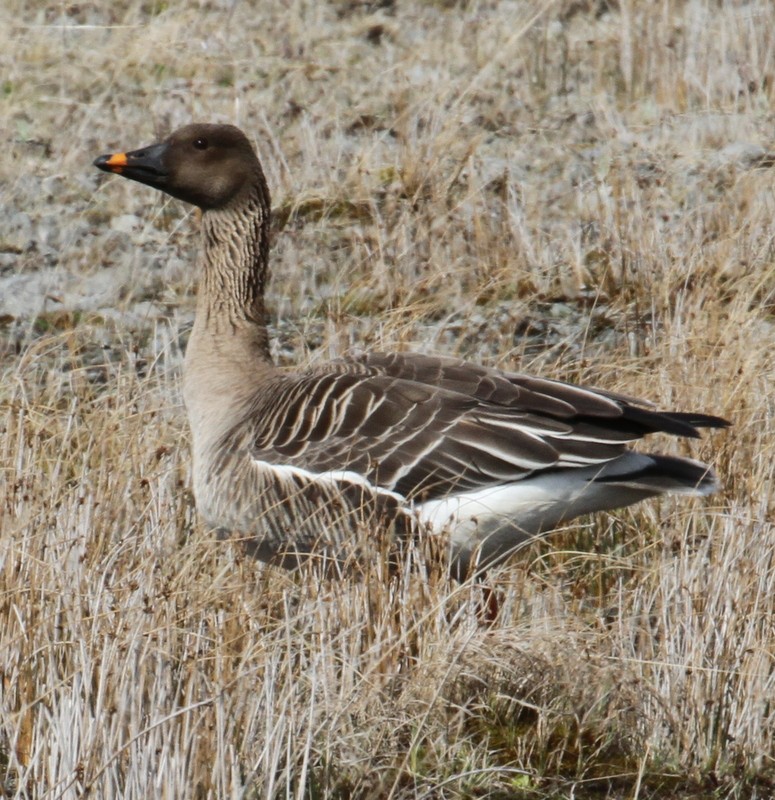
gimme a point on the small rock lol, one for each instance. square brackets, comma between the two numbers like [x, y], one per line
[746, 154]
[53, 187]
[126, 223]
[48, 232]
[17, 235]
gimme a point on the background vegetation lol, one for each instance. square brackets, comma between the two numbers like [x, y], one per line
[578, 187]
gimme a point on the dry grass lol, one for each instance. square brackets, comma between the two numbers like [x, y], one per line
[571, 187]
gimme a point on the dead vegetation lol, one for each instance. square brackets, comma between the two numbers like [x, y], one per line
[578, 188]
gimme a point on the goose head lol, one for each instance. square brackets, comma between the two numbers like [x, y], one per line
[209, 166]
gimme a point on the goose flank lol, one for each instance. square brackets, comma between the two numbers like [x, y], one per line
[296, 463]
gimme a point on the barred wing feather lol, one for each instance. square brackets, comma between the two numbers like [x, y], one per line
[426, 427]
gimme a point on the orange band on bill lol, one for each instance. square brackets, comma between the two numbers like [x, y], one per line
[116, 161]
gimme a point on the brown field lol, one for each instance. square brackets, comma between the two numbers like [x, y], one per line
[581, 188]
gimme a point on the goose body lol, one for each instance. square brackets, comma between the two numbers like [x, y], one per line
[297, 463]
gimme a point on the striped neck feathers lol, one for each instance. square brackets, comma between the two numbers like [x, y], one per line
[235, 267]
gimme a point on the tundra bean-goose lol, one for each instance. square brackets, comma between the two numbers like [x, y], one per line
[298, 463]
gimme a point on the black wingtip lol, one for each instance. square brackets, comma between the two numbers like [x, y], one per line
[677, 423]
[699, 420]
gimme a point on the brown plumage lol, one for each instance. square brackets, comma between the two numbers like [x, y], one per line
[296, 464]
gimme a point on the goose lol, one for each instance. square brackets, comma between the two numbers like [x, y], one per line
[299, 463]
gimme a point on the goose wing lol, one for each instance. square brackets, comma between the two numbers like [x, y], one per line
[425, 427]
[539, 395]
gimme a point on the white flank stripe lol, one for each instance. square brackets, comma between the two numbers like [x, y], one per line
[331, 477]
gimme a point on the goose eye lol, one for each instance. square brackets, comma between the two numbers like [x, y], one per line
[200, 144]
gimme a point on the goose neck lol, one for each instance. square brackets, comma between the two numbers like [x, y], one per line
[234, 270]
